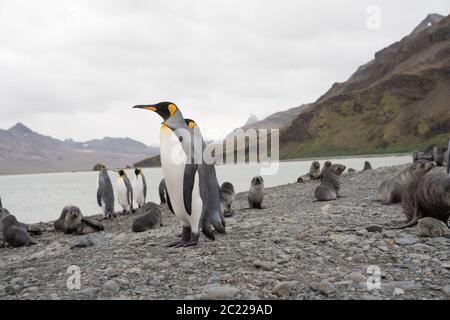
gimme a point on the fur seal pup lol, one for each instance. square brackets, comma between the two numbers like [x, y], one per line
[227, 196]
[391, 190]
[428, 196]
[150, 219]
[313, 174]
[330, 184]
[14, 233]
[326, 165]
[367, 166]
[71, 221]
[416, 156]
[256, 193]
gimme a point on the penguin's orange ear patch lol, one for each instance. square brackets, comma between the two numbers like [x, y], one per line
[172, 109]
[191, 124]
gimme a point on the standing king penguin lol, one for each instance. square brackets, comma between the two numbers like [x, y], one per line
[124, 192]
[105, 193]
[187, 181]
[140, 187]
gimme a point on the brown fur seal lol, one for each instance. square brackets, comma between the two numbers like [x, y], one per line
[227, 196]
[150, 219]
[330, 184]
[72, 221]
[14, 233]
[314, 173]
[391, 190]
[256, 193]
[428, 196]
[367, 166]
[326, 165]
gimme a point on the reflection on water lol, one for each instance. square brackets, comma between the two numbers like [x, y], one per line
[41, 197]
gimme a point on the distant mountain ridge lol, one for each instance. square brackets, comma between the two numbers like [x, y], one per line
[397, 102]
[25, 151]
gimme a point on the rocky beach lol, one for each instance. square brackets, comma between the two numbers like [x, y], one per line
[294, 248]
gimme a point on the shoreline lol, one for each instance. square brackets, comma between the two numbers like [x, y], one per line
[382, 155]
[300, 249]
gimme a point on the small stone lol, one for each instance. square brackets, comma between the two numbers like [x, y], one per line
[398, 292]
[446, 290]
[431, 227]
[230, 221]
[263, 265]
[374, 228]
[325, 209]
[111, 285]
[362, 232]
[283, 289]
[89, 291]
[356, 277]
[407, 240]
[221, 292]
[327, 288]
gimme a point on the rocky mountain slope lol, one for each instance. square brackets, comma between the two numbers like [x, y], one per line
[399, 101]
[25, 151]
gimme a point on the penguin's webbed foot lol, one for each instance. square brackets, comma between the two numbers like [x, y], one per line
[193, 241]
[176, 244]
[209, 234]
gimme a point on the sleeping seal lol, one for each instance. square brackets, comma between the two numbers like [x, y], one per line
[150, 219]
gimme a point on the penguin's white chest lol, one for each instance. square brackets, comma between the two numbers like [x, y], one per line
[139, 190]
[122, 193]
[173, 162]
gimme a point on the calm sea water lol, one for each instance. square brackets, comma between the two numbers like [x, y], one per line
[41, 197]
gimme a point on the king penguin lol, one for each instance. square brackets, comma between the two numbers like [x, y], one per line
[140, 187]
[124, 192]
[105, 193]
[186, 180]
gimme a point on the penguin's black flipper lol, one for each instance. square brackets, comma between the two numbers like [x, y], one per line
[169, 204]
[1, 206]
[99, 197]
[162, 190]
[188, 185]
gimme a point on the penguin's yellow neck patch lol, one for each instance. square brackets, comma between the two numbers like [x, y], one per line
[165, 128]
[172, 109]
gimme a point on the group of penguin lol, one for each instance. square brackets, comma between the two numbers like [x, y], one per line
[127, 193]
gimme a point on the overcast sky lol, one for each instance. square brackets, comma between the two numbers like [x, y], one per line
[74, 69]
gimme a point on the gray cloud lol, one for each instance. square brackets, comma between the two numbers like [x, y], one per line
[74, 69]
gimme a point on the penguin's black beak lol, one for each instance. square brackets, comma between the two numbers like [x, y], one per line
[146, 107]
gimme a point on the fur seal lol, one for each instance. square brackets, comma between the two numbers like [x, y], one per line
[428, 196]
[391, 190]
[14, 233]
[326, 165]
[150, 219]
[330, 184]
[227, 196]
[256, 193]
[313, 174]
[367, 166]
[71, 221]
[416, 156]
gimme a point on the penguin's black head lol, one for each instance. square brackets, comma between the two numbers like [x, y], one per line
[137, 171]
[121, 173]
[164, 109]
[190, 123]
